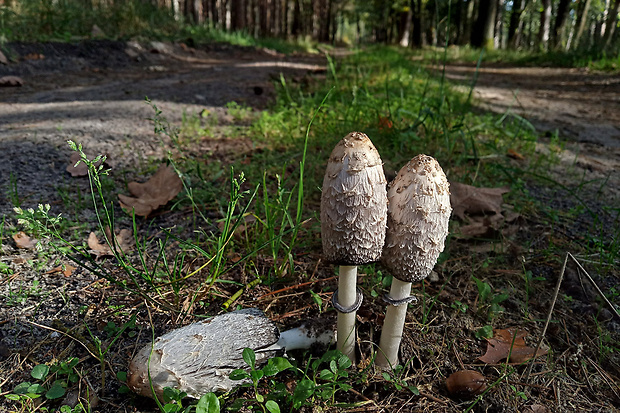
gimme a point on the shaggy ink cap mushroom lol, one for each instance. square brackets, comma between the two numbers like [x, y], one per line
[418, 214]
[353, 223]
[353, 203]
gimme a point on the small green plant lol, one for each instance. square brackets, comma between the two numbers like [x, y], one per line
[237, 111]
[395, 378]
[459, 306]
[50, 383]
[101, 349]
[274, 366]
[489, 301]
[484, 332]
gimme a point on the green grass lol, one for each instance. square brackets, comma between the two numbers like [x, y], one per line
[590, 58]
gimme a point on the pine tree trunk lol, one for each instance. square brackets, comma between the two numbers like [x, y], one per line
[404, 27]
[483, 33]
[263, 17]
[515, 23]
[296, 28]
[237, 14]
[545, 24]
[583, 18]
[560, 20]
[610, 26]
[467, 22]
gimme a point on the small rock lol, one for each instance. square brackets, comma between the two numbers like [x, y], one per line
[3, 59]
[159, 47]
[466, 383]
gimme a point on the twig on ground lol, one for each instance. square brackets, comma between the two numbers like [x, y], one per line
[262, 297]
[553, 300]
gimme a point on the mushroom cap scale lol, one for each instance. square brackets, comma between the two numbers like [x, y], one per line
[418, 214]
[353, 203]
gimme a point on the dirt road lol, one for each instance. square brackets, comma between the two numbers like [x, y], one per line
[94, 93]
[583, 107]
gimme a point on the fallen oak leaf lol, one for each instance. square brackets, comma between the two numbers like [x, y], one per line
[150, 195]
[24, 241]
[124, 242]
[66, 270]
[509, 343]
[472, 200]
[512, 153]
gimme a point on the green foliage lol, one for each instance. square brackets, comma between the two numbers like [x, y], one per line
[320, 382]
[51, 383]
[274, 366]
[488, 300]
[396, 378]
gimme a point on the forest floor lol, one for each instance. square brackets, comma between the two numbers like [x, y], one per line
[93, 93]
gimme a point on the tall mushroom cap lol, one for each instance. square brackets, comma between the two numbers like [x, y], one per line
[353, 203]
[199, 357]
[418, 215]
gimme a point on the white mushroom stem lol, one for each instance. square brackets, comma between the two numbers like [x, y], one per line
[393, 326]
[302, 338]
[347, 296]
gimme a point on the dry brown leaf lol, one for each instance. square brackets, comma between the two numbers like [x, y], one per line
[66, 270]
[150, 195]
[124, 242]
[470, 200]
[509, 343]
[81, 169]
[536, 408]
[24, 241]
[3, 59]
[511, 153]
[11, 81]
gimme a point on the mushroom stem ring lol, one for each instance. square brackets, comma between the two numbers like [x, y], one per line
[346, 310]
[391, 301]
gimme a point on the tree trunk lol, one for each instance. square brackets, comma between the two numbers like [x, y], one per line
[213, 13]
[224, 14]
[296, 28]
[416, 19]
[284, 18]
[514, 24]
[583, 18]
[404, 27]
[610, 25]
[273, 18]
[560, 20]
[545, 24]
[237, 14]
[483, 34]
[324, 17]
[467, 22]
[263, 13]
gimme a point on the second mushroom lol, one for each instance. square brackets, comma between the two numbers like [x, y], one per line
[353, 222]
[418, 214]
